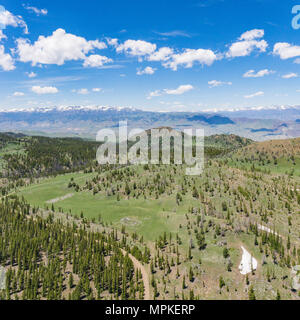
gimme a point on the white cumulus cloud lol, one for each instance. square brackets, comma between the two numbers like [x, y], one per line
[137, 47]
[162, 54]
[246, 43]
[290, 75]
[189, 57]
[6, 61]
[258, 74]
[180, 90]
[44, 90]
[96, 61]
[216, 83]
[155, 93]
[18, 94]
[147, 70]
[82, 91]
[112, 42]
[56, 49]
[252, 34]
[31, 74]
[9, 19]
[285, 50]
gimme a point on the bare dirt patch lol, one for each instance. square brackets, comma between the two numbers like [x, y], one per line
[69, 195]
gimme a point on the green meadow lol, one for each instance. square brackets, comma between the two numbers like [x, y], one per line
[148, 217]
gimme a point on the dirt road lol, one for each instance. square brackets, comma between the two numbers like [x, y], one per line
[138, 265]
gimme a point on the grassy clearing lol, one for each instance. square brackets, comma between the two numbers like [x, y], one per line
[153, 217]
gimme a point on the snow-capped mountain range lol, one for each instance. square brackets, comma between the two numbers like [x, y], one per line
[68, 108]
[258, 123]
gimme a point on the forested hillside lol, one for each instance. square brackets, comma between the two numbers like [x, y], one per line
[61, 258]
[78, 230]
[43, 156]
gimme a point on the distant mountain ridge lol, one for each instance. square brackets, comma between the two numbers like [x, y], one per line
[100, 113]
[86, 121]
[86, 118]
[284, 113]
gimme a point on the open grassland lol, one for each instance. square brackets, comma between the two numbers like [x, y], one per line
[148, 217]
[144, 210]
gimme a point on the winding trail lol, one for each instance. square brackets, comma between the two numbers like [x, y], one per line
[138, 265]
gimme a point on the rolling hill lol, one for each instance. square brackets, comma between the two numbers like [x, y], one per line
[279, 156]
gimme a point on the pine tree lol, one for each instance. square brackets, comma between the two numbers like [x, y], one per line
[191, 275]
[252, 294]
[221, 282]
[183, 283]
[71, 281]
[278, 297]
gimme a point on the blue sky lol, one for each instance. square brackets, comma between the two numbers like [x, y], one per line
[154, 55]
